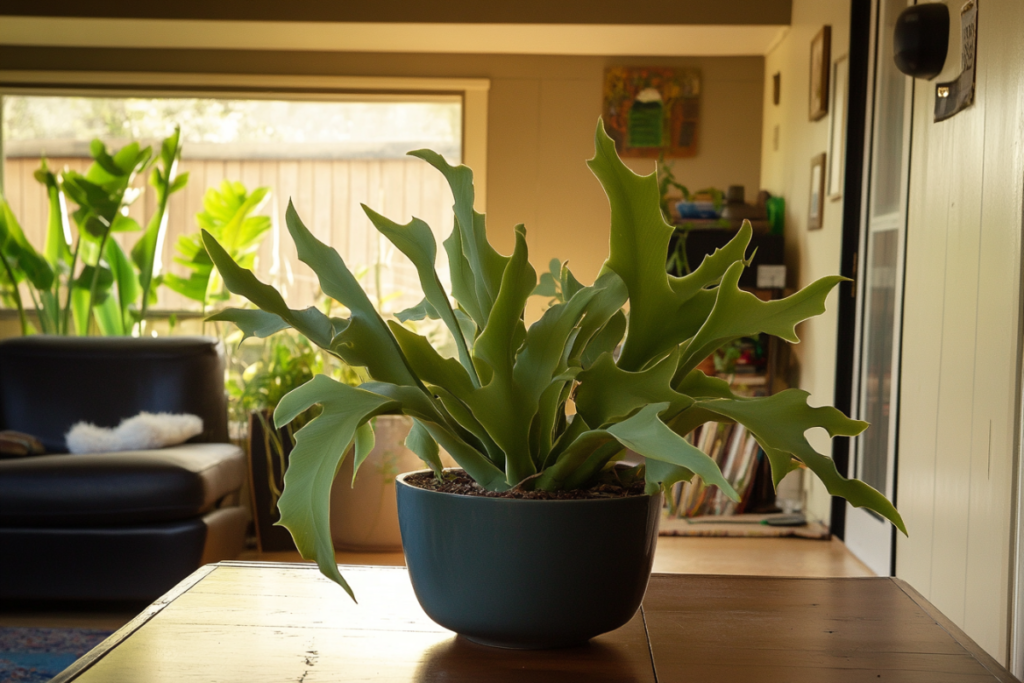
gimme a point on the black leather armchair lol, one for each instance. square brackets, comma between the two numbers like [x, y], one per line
[114, 526]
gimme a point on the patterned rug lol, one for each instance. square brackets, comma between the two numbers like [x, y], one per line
[31, 655]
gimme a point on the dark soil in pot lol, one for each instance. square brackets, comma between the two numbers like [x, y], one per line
[528, 573]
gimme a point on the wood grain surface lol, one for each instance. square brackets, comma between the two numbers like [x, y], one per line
[258, 622]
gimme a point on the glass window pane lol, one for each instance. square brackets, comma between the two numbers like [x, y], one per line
[325, 156]
[887, 160]
[878, 341]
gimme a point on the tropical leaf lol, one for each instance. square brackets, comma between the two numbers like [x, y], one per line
[741, 314]
[423, 445]
[476, 258]
[416, 241]
[663, 311]
[311, 322]
[253, 323]
[648, 436]
[320, 448]
[128, 288]
[779, 423]
[420, 311]
[364, 444]
[165, 183]
[608, 394]
[366, 341]
[497, 405]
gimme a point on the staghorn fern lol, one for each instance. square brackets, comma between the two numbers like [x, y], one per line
[499, 409]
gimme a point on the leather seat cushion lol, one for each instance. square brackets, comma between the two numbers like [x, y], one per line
[130, 487]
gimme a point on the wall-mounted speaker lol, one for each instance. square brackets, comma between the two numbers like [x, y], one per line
[921, 40]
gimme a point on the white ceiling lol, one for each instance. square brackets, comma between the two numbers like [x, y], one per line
[560, 39]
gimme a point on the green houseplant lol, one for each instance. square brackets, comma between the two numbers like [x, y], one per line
[77, 282]
[500, 408]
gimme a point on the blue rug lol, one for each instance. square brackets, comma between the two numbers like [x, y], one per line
[31, 655]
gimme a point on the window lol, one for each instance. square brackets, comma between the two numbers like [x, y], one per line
[327, 152]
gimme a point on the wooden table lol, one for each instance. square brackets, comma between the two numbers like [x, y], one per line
[253, 622]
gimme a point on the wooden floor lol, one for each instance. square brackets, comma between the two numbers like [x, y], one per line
[675, 555]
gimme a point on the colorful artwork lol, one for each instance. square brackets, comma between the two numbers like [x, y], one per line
[650, 111]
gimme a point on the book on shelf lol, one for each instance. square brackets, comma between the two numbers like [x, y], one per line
[737, 454]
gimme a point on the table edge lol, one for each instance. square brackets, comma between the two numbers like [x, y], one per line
[85, 662]
[990, 663]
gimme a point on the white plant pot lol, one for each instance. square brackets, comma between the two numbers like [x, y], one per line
[365, 517]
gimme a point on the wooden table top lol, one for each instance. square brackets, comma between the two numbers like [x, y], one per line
[252, 622]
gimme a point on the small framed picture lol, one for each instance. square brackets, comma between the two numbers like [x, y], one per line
[817, 203]
[821, 60]
[837, 130]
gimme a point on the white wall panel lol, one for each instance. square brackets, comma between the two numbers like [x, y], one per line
[961, 345]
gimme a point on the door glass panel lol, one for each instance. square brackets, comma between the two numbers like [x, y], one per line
[878, 341]
[887, 161]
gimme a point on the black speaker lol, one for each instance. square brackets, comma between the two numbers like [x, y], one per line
[921, 40]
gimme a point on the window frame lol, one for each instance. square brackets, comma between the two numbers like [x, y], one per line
[473, 92]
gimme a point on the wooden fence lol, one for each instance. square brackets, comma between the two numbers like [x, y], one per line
[326, 194]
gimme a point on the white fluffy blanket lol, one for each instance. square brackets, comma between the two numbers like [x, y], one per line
[142, 432]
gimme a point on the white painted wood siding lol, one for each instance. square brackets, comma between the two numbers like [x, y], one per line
[961, 345]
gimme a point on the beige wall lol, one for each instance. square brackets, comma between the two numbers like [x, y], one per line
[961, 346]
[542, 114]
[786, 171]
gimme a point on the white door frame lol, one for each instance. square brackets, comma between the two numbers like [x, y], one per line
[869, 537]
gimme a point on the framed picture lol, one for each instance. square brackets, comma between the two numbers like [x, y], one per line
[817, 203]
[821, 59]
[652, 111]
[837, 131]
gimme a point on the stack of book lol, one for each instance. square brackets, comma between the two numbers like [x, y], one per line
[737, 454]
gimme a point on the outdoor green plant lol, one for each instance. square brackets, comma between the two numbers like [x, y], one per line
[76, 281]
[500, 408]
[227, 216]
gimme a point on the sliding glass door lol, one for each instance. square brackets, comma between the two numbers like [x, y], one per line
[880, 290]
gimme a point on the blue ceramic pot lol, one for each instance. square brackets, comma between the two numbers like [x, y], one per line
[527, 573]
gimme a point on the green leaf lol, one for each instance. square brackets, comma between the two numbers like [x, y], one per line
[661, 476]
[320, 449]
[252, 323]
[429, 365]
[604, 340]
[58, 232]
[366, 341]
[741, 314]
[124, 223]
[779, 423]
[310, 322]
[423, 445]
[498, 405]
[463, 282]
[569, 284]
[663, 311]
[20, 253]
[648, 436]
[416, 404]
[416, 241]
[364, 444]
[546, 286]
[485, 265]
[108, 316]
[420, 311]
[128, 289]
[607, 394]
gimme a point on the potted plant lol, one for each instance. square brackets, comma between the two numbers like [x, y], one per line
[542, 541]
